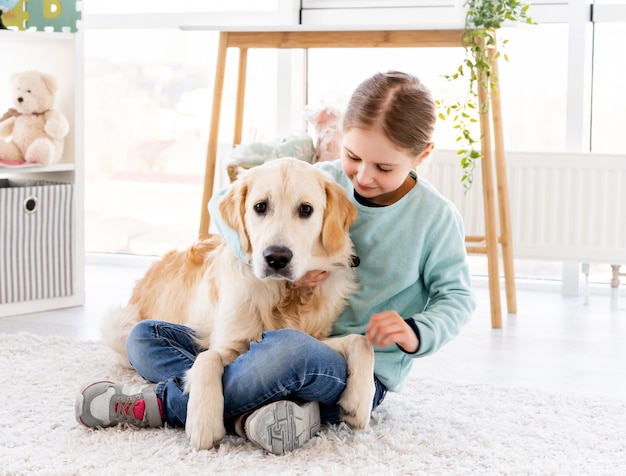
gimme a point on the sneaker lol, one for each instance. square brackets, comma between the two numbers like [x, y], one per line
[103, 404]
[283, 426]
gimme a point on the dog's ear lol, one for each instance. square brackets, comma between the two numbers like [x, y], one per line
[339, 214]
[232, 207]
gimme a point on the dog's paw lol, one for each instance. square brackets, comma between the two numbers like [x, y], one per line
[356, 404]
[205, 409]
[204, 434]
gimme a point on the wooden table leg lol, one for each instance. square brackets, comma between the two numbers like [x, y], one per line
[241, 93]
[211, 158]
[506, 239]
[491, 235]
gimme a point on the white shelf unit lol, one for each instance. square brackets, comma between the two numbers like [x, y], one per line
[61, 55]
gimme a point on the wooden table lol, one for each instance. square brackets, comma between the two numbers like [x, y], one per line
[493, 160]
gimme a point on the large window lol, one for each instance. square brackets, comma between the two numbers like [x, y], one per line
[149, 85]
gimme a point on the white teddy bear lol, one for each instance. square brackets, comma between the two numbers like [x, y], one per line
[33, 132]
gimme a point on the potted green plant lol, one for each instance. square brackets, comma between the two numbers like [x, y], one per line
[482, 19]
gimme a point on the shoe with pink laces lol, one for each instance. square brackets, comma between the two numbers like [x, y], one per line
[103, 404]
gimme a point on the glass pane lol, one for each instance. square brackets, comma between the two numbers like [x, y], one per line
[148, 98]
[334, 73]
[534, 88]
[609, 97]
[533, 82]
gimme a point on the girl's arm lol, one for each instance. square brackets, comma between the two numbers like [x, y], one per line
[446, 275]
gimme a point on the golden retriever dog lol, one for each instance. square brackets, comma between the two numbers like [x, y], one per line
[291, 218]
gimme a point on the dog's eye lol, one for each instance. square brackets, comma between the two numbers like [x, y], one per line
[260, 208]
[305, 210]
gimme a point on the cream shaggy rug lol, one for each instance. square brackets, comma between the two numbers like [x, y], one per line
[431, 428]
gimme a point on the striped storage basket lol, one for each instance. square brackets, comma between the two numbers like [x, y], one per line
[36, 244]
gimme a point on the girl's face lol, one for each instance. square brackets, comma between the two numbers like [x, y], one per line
[378, 171]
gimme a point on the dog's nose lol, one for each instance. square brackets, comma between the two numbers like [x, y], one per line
[20, 99]
[277, 257]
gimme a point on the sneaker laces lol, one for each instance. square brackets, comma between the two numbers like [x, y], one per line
[125, 409]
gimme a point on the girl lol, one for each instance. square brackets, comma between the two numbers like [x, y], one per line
[414, 293]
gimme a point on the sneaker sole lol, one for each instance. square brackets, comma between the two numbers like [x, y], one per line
[80, 402]
[284, 426]
[78, 408]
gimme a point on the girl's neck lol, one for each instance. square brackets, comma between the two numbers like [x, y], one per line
[391, 197]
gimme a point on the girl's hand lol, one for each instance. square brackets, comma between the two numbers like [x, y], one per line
[388, 327]
[311, 279]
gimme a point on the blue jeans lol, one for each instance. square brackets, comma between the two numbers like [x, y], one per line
[285, 364]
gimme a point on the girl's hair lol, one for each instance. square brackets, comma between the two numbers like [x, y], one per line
[397, 103]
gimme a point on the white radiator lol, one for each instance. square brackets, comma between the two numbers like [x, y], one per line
[564, 207]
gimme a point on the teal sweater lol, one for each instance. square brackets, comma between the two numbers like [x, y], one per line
[412, 260]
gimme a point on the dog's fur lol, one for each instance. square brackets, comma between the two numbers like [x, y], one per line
[291, 218]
